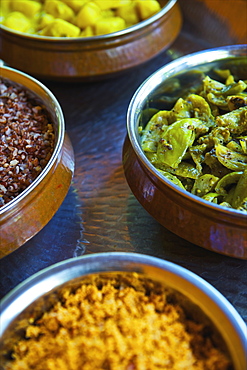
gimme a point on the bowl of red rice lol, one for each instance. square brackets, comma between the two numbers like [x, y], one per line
[36, 158]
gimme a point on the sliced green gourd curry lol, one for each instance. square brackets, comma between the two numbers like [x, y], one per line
[201, 143]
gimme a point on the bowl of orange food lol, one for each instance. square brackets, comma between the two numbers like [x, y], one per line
[36, 158]
[185, 155]
[143, 311]
[81, 39]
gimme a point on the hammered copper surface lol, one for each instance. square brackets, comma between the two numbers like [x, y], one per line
[78, 59]
[100, 213]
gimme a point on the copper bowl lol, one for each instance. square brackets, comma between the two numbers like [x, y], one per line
[199, 299]
[205, 224]
[78, 59]
[30, 211]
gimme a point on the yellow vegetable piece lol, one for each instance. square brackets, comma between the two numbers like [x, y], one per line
[175, 141]
[197, 153]
[181, 109]
[172, 178]
[204, 184]
[211, 197]
[128, 13]
[227, 181]
[234, 145]
[109, 25]
[17, 21]
[147, 8]
[240, 194]
[153, 131]
[236, 101]
[61, 28]
[223, 73]
[76, 5]
[184, 169]
[230, 159]
[4, 7]
[235, 121]
[27, 7]
[87, 32]
[88, 15]
[107, 13]
[243, 144]
[201, 109]
[45, 20]
[59, 10]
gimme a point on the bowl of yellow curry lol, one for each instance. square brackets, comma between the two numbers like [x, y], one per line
[185, 154]
[119, 311]
[78, 40]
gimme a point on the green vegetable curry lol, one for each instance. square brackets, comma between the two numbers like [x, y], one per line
[201, 143]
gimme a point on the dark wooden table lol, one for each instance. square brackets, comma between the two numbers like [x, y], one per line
[100, 213]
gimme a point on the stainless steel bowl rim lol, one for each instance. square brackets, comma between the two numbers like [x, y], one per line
[105, 37]
[56, 275]
[57, 148]
[156, 78]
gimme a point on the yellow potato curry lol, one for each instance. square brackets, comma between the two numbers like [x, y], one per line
[75, 18]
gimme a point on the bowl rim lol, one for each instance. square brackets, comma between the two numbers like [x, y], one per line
[104, 38]
[136, 103]
[38, 284]
[60, 139]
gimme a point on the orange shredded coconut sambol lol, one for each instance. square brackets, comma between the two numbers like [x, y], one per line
[122, 322]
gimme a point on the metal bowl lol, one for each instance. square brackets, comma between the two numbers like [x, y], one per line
[30, 211]
[32, 297]
[205, 224]
[78, 59]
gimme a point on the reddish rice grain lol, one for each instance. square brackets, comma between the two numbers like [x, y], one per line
[26, 140]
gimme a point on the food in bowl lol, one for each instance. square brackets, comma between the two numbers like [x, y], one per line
[117, 321]
[102, 299]
[207, 224]
[75, 18]
[201, 143]
[27, 139]
[37, 158]
[88, 58]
